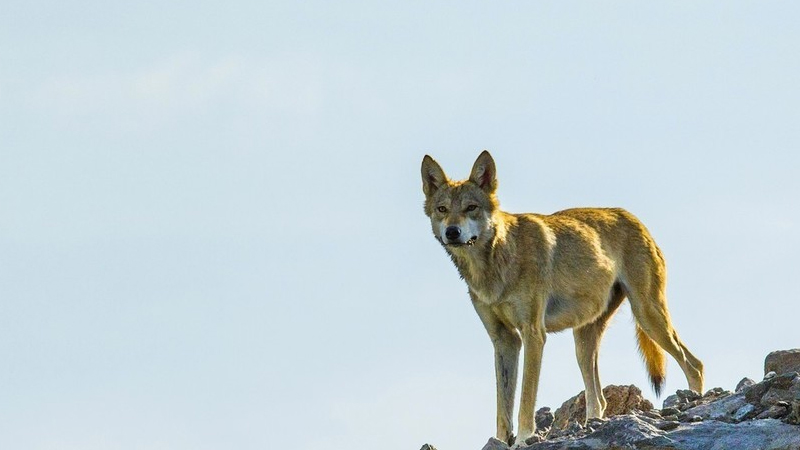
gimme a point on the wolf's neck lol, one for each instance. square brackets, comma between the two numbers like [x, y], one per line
[485, 264]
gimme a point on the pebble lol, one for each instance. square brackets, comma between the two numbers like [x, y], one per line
[668, 426]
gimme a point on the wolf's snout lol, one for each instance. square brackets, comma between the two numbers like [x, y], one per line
[452, 233]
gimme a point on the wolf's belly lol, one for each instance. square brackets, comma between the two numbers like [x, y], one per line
[563, 312]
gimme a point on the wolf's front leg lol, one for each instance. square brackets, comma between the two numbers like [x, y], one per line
[507, 344]
[506, 357]
[533, 339]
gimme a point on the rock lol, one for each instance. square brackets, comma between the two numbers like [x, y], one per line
[428, 447]
[794, 415]
[715, 392]
[670, 412]
[620, 400]
[782, 388]
[687, 394]
[544, 418]
[617, 432]
[494, 444]
[744, 383]
[668, 425]
[782, 361]
[723, 409]
[763, 416]
[768, 434]
[672, 401]
[774, 412]
[745, 412]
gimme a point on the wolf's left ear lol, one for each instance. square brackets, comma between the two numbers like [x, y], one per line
[484, 173]
[433, 176]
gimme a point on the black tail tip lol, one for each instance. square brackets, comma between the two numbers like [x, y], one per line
[658, 384]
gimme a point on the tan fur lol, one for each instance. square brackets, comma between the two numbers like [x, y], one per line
[530, 274]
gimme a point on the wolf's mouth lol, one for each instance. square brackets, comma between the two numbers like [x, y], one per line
[469, 243]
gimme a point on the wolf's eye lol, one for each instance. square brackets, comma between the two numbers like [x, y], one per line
[441, 209]
[471, 208]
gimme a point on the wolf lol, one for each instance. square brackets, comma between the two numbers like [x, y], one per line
[533, 274]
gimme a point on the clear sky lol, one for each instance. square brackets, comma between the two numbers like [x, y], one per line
[211, 226]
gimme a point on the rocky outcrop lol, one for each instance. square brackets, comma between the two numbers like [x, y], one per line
[782, 361]
[756, 416]
[621, 400]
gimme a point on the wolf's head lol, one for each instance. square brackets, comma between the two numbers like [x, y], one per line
[460, 211]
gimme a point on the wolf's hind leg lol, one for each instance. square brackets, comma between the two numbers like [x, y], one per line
[652, 316]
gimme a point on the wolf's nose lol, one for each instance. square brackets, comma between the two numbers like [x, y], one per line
[452, 233]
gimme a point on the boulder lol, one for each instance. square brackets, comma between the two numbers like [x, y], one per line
[620, 400]
[724, 409]
[782, 361]
[495, 444]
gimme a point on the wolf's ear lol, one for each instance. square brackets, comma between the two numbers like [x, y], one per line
[433, 176]
[484, 173]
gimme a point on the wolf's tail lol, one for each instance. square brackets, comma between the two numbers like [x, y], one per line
[654, 360]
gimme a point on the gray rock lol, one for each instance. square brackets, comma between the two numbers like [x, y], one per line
[715, 392]
[688, 394]
[782, 361]
[428, 447]
[544, 418]
[770, 374]
[774, 412]
[782, 388]
[723, 409]
[768, 434]
[495, 444]
[672, 401]
[744, 383]
[670, 412]
[618, 432]
[745, 412]
[668, 425]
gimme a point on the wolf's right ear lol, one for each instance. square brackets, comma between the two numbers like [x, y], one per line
[433, 176]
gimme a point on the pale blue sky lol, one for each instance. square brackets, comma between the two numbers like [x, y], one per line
[211, 227]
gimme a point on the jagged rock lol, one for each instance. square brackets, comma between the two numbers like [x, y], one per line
[744, 383]
[670, 411]
[618, 432]
[428, 447]
[495, 444]
[782, 361]
[715, 392]
[672, 401]
[667, 425]
[723, 409]
[748, 411]
[621, 400]
[784, 388]
[544, 418]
